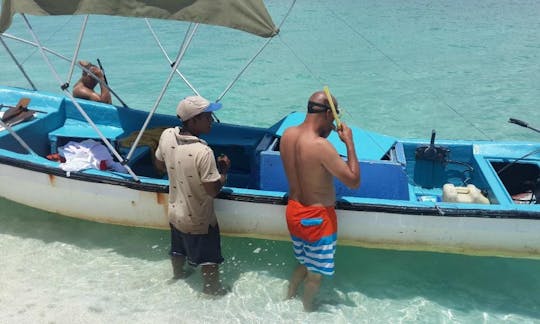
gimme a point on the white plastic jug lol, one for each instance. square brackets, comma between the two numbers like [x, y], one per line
[469, 194]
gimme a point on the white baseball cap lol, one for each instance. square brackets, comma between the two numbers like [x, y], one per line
[192, 106]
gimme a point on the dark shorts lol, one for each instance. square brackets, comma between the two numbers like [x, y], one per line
[199, 249]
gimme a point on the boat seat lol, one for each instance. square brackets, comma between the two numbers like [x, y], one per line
[77, 130]
[139, 152]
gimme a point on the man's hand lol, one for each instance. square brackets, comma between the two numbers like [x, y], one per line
[223, 163]
[97, 72]
[345, 133]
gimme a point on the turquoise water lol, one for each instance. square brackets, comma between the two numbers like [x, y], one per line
[402, 68]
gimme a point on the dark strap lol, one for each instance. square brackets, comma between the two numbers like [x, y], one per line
[312, 104]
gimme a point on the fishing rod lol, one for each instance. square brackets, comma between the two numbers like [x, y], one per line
[107, 83]
[522, 124]
[102, 71]
[6, 106]
[526, 125]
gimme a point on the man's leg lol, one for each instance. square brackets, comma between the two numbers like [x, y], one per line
[178, 267]
[178, 254]
[297, 277]
[311, 287]
[212, 285]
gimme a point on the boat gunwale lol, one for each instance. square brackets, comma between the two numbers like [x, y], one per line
[228, 193]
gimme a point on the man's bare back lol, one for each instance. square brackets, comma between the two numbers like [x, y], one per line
[311, 162]
[309, 181]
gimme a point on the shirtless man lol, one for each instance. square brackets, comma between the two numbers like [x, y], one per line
[84, 88]
[310, 163]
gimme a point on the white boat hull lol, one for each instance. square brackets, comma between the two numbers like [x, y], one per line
[115, 204]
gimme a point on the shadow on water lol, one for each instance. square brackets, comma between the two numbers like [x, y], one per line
[27, 222]
[458, 282]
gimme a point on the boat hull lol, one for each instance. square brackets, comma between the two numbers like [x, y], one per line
[241, 216]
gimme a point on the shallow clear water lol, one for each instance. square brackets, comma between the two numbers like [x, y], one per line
[62, 270]
[403, 68]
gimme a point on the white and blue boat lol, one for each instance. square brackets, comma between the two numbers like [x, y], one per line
[471, 197]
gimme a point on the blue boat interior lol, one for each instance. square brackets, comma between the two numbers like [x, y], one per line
[411, 172]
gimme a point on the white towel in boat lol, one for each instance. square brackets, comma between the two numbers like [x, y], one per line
[86, 155]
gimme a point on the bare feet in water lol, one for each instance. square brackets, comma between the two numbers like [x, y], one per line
[221, 291]
[183, 274]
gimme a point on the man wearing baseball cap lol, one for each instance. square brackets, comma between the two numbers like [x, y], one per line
[195, 178]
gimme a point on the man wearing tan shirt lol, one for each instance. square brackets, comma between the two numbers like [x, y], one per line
[194, 180]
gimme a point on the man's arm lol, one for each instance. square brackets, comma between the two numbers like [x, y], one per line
[223, 165]
[160, 166]
[81, 91]
[105, 95]
[347, 172]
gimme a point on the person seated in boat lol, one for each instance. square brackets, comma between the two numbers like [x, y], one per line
[84, 88]
[195, 178]
[311, 163]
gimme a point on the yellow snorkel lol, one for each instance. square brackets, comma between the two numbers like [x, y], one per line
[334, 111]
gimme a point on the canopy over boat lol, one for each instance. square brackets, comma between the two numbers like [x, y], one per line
[248, 15]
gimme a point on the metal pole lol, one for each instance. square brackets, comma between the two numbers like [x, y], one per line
[64, 58]
[17, 137]
[17, 62]
[77, 105]
[169, 59]
[179, 57]
[77, 48]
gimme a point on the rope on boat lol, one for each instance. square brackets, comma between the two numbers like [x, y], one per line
[317, 77]
[437, 97]
[517, 160]
[40, 47]
[48, 38]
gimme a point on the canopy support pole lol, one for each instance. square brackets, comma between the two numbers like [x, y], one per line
[17, 137]
[77, 48]
[77, 105]
[17, 62]
[65, 59]
[254, 56]
[179, 57]
[243, 70]
[168, 58]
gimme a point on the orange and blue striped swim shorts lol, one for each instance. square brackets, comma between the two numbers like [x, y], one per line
[313, 231]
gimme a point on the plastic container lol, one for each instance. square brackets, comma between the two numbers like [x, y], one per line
[469, 194]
